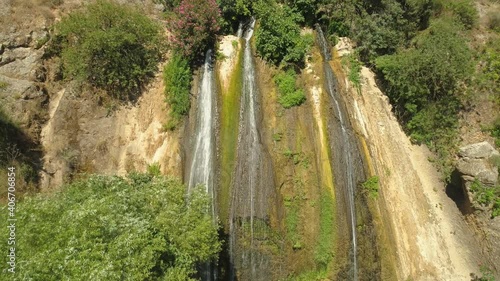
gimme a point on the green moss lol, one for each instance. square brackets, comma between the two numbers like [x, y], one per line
[324, 251]
[229, 134]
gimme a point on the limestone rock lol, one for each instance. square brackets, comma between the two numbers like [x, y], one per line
[477, 150]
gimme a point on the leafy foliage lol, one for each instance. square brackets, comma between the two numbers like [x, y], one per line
[465, 12]
[177, 78]
[354, 70]
[193, 25]
[290, 95]
[382, 27]
[277, 37]
[423, 82]
[113, 228]
[371, 186]
[233, 12]
[111, 46]
[486, 195]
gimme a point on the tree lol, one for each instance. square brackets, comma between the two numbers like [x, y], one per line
[113, 228]
[110, 46]
[193, 26]
[277, 37]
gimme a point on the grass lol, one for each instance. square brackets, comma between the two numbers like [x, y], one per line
[324, 251]
[354, 66]
[292, 220]
[229, 134]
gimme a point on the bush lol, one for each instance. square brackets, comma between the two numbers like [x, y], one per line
[354, 66]
[113, 228]
[422, 84]
[277, 36]
[193, 25]
[177, 78]
[289, 94]
[465, 12]
[111, 46]
[371, 186]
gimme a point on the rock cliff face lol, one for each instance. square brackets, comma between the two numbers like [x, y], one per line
[426, 235]
[476, 177]
[23, 93]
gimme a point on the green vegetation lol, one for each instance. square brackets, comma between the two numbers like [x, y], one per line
[464, 11]
[154, 169]
[371, 186]
[324, 251]
[229, 134]
[193, 25]
[290, 95]
[177, 78]
[486, 195]
[423, 83]
[487, 274]
[354, 66]
[277, 37]
[111, 228]
[292, 221]
[110, 46]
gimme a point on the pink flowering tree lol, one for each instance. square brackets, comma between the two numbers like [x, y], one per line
[193, 26]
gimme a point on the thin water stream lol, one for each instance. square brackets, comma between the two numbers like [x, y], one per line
[252, 182]
[348, 145]
[202, 164]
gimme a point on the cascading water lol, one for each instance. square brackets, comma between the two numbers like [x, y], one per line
[252, 184]
[347, 145]
[202, 165]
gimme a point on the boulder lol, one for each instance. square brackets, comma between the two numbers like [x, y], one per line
[477, 150]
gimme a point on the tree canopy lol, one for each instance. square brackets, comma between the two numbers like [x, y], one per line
[111, 46]
[112, 228]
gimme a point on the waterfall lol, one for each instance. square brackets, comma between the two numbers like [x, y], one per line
[202, 165]
[252, 182]
[347, 143]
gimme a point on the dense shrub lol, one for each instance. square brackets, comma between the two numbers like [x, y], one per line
[422, 83]
[290, 95]
[113, 228]
[193, 25]
[277, 37]
[384, 28]
[111, 46]
[177, 78]
[465, 12]
[233, 12]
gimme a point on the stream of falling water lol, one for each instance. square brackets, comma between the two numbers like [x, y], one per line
[202, 165]
[252, 183]
[330, 81]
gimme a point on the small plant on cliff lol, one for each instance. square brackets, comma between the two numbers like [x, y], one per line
[177, 78]
[371, 186]
[290, 95]
[110, 46]
[193, 24]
